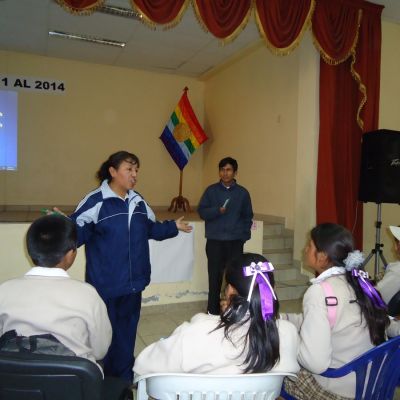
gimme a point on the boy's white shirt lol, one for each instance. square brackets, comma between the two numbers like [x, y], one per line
[44, 271]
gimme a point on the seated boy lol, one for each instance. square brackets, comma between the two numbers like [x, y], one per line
[47, 301]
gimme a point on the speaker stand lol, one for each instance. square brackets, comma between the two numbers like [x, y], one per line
[377, 251]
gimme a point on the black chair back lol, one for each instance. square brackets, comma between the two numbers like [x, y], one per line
[27, 376]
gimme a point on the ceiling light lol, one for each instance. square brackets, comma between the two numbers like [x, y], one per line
[90, 39]
[120, 12]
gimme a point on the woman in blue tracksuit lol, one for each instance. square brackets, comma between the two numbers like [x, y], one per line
[115, 223]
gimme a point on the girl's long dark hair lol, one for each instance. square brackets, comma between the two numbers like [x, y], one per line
[337, 242]
[261, 342]
[115, 161]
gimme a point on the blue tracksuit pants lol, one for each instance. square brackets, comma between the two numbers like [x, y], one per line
[124, 313]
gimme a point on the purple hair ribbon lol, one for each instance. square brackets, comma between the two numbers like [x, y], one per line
[367, 288]
[266, 290]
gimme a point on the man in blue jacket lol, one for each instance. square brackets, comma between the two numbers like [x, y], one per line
[226, 209]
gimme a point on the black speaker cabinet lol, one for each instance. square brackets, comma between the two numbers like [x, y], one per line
[380, 167]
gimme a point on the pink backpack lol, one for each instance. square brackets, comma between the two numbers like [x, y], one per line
[331, 302]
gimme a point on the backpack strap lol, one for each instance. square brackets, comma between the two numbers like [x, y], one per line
[331, 302]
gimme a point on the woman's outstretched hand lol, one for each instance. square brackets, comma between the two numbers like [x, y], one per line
[183, 225]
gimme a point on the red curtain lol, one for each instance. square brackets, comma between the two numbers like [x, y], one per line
[80, 6]
[335, 29]
[161, 11]
[344, 91]
[223, 18]
[283, 22]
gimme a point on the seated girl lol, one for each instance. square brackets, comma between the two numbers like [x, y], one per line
[343, 315]
[246, 338]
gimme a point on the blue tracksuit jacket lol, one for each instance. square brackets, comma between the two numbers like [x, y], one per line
[115, 233]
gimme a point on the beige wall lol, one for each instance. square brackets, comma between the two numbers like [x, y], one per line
[389, 118]
[251, 115]
[307, 146]
[64, 138]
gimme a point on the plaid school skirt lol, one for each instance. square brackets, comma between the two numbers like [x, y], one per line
[305, 387]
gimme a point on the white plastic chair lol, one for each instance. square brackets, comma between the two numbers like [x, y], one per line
[172, 386]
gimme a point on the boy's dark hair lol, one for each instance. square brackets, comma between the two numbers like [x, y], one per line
[49, 238]
[261, 342]
[228, 160]
[115, 161]
[337, 242]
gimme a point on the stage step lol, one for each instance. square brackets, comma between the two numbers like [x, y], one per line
[278, 249]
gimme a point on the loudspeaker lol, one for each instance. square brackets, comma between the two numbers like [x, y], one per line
[380, 167]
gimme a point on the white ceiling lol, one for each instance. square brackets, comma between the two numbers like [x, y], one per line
[185, 49]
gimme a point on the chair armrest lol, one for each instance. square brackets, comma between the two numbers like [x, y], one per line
[141, 393]
[338, 372]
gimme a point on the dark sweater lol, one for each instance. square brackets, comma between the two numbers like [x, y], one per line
[236, 222]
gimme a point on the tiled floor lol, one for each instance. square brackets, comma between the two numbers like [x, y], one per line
[159, 321]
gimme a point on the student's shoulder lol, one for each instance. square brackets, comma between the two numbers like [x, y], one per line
[199, 325]
[288, 333]
[11, 282]
[393, 267]
[83, 288]
[203, 319]
[314, 293]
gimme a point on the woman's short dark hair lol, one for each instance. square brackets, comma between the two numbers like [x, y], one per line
[115, 161]
[49, 238]
[261, 348]
[228, 160]
[337, 242]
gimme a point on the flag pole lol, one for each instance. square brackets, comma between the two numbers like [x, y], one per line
[180, 183]
[182, 136]
[180, 202]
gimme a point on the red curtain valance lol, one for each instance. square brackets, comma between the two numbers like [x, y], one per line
[80, 6]
[162, 12]
[335, 24]
[282, 23]
[335, 28]
[223, 18]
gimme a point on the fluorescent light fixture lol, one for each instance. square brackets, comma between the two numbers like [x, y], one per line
[120, 12]
[90, 39]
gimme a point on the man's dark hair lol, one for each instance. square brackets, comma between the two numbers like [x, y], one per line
[49, 238]
[228, 160]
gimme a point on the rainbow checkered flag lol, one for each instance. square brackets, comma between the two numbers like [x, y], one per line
[183, 135]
